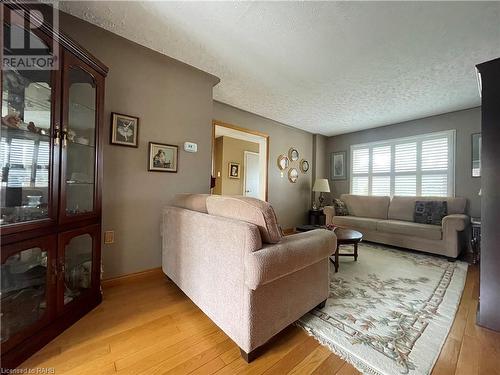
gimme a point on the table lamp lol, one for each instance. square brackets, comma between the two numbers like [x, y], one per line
[321, 185]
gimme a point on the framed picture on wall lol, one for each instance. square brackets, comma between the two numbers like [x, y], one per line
[124, 130]
[162, 157]
[338, 165]
[234, 170]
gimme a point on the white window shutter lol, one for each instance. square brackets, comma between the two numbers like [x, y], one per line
[421, 165]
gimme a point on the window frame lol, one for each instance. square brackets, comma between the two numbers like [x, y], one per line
[418, 139]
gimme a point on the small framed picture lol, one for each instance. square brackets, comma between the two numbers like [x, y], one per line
[162, 157]
[234, 170]
[124, 130]
[337, 165]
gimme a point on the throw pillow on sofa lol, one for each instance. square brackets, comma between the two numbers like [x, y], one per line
[340, 208]
[430, 212]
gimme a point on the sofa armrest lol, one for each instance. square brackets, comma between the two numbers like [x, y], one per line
[455, 223]
[329, 212]
[291, 254]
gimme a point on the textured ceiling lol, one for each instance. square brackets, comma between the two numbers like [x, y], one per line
[325, 67]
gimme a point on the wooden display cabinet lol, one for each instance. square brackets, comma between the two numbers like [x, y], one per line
[51, 160]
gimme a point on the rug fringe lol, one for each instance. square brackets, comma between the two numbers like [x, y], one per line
[357, 363]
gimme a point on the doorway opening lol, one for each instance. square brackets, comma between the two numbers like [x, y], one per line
[239, 161]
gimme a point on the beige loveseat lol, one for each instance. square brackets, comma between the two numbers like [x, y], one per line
[228, 256]
[390, 221]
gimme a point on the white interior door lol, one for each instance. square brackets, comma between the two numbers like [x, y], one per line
[251, 179]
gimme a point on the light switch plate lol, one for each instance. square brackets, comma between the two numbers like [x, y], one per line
[190, 147]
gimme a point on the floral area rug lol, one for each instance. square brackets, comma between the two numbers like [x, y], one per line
[390, 312]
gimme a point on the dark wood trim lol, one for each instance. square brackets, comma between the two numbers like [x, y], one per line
[489, 299]
[70, 62]
[47, 230]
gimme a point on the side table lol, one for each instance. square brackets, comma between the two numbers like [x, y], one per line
[476, 239]
[317, 217]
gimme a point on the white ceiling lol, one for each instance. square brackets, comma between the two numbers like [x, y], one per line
[325, 67]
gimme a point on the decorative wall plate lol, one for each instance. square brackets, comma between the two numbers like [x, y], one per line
[293, 154]
[293, 175]
[304, 165]
[283, 162]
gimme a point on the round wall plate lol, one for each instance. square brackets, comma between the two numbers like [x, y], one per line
[293, 154]
[293, 175]
[304, 165]
[283, 162]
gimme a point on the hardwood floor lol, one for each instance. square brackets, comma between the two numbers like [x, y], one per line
[148, 326]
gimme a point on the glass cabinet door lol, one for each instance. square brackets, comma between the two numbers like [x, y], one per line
[79, 141]
[25, 144]
[80, 273]
[27, 282]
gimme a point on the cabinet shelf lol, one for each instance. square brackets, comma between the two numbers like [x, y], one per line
[78, 183]
[90, 145]
[20, 133]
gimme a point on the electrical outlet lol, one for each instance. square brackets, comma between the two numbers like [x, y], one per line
[109, 236]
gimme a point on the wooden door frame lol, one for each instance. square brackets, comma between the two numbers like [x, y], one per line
[248, 131]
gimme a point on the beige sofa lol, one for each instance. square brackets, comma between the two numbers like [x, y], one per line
[390, 221]
[228, 256]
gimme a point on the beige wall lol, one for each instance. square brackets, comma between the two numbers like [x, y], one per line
[290, 201]
[174, 104]
[231, 150]
[465, 122]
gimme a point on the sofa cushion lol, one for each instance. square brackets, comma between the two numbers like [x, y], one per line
[430, 212]
[403, 208]
[340, 207]
[193, 202]
[356, 222]
[367, 206]
[405, 228]
[247, 209]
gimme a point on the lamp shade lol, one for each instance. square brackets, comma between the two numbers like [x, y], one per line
[321, 185]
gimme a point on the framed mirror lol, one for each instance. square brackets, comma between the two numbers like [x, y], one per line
[476, 155]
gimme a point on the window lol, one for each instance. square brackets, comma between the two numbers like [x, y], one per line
[27, 162]
[417, 166]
